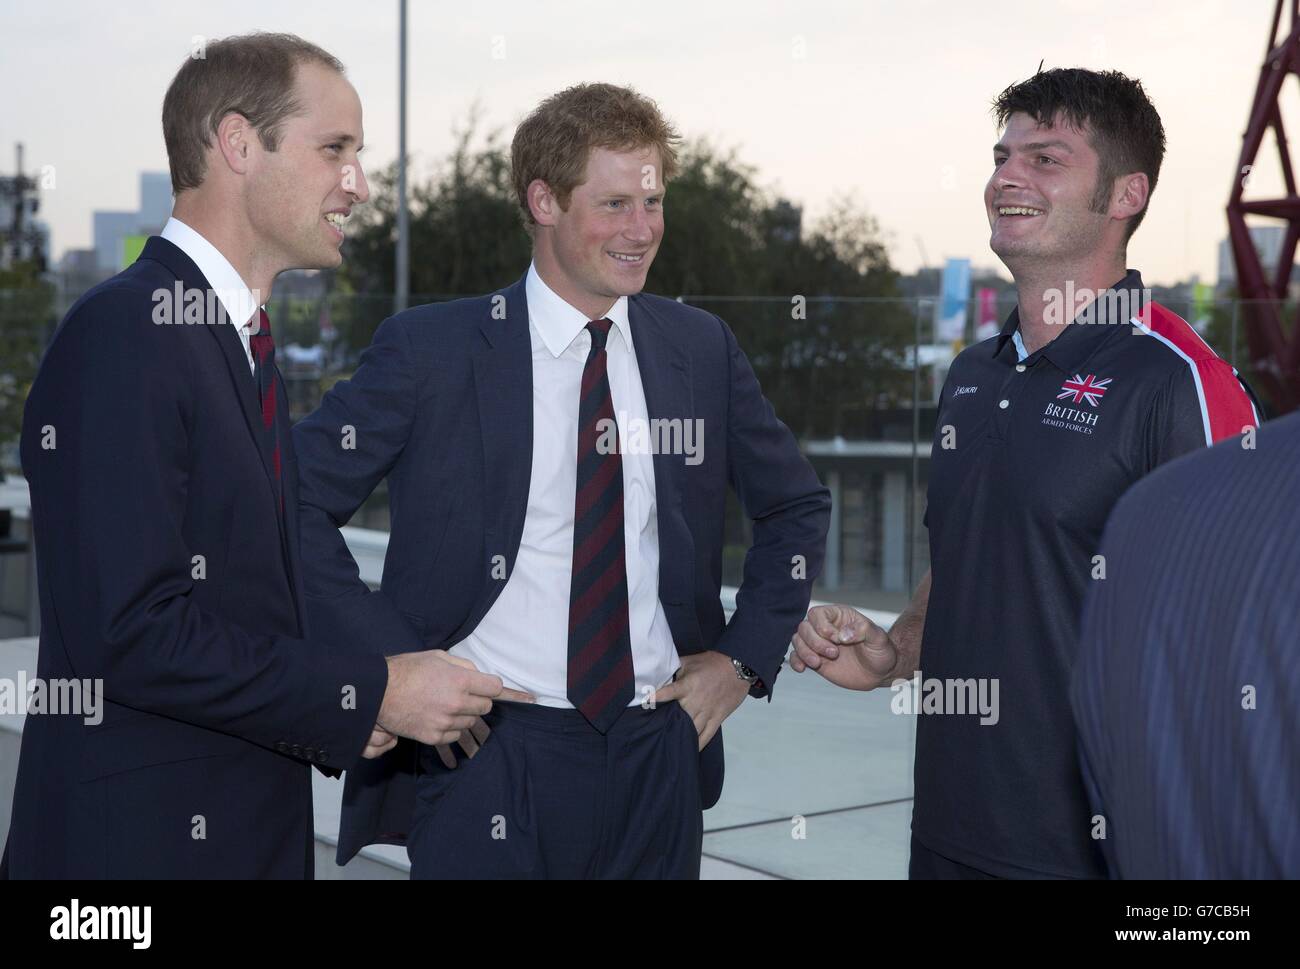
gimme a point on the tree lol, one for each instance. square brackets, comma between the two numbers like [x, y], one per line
[26, 314]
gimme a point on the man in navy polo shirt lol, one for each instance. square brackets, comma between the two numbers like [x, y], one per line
[1041, 429]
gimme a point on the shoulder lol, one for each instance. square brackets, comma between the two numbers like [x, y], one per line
[118, 314]
[1225, 482]
[672, 309]
[976, 358]
[695, 328]
[444, 325]
[1174, 345]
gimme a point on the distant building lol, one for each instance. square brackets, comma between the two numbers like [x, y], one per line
[155, 202]
[110, 231]
[112, 228]
[78, 271]
[1268, 243]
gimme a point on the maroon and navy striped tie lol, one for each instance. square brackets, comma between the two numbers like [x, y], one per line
[600, 682]
[263, 346]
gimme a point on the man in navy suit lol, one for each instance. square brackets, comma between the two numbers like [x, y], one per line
[164, 499]
[1187, 684]
[558, 455]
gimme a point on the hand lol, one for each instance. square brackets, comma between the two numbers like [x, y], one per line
[708, 689]
[845, 647]
[434, 697]
[380, 743]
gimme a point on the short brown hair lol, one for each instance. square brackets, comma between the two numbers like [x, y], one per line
[554, 142]
[1112, 109]
[252, 75]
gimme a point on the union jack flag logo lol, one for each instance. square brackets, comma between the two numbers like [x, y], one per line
[1087, 388]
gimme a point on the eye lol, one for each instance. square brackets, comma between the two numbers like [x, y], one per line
[1046, 160]
[336, 148]
[654, 201]
[615, 203]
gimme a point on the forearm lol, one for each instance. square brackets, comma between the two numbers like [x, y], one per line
[773, 597]
[908, 631]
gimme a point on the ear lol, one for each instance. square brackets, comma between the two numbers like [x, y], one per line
[542, 202]
[1130, 196]
[235, 138]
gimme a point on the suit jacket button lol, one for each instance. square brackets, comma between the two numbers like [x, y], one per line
[322, 755]
[309, 753]
[296, 750]
[281, 746]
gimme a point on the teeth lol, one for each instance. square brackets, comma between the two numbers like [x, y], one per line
[337, 219]
[623, 258]
[1018, 210]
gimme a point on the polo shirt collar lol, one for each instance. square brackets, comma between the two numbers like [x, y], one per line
[1091, 327]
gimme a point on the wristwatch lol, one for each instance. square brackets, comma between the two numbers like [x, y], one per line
[744, 672]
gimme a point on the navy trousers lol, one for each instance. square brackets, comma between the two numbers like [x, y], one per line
[547, 796]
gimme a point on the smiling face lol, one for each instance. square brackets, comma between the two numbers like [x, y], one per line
[600, 246]
[299, 195]
[1041, 197]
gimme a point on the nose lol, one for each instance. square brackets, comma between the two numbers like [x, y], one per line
[1009, 174]
[639, 229]
[357, 186]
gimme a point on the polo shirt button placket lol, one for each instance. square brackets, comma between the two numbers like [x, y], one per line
[1011, 388]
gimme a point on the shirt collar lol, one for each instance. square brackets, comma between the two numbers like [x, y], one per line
[1097, 321]
[235, 296]
[557, 322]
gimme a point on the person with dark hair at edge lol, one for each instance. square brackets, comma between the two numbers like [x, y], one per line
[1040, 430]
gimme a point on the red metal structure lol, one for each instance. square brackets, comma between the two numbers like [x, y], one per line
[1274, 352]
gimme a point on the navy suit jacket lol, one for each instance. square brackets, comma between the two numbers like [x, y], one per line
[213, 707]
[1186, 687]
[441, 405]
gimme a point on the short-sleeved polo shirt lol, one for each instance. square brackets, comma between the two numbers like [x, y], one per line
[1029, 458]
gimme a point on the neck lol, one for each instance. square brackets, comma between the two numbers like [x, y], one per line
[1050, 297]
[220, 223]
[592, 305]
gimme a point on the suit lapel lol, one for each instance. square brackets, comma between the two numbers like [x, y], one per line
[245, 387]
[232, 349]
[289, 480]
[666, 379]
[503, 381]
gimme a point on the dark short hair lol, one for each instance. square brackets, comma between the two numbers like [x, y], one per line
[1113, 110]
[554, 142]
[252, 75]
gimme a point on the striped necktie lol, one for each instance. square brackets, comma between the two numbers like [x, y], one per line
[600, 679]
[263, 346]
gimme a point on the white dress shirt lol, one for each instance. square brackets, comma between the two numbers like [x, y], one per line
[524, 638]
[238, 300]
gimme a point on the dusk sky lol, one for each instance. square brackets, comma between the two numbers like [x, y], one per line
[887, 101]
